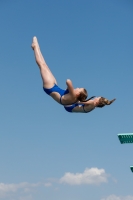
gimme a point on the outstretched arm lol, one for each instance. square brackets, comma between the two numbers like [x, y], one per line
[70, 87]
[90, 102]
[83, 108]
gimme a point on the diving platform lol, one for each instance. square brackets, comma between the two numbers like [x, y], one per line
[131, 167]
[125, 138]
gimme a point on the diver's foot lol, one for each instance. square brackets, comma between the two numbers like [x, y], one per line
[34, 42]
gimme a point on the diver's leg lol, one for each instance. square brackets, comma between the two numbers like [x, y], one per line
[47, 76]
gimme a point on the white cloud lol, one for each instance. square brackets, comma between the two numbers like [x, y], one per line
[5, 189]
[89, 176]
[114, 197]
[47, 184]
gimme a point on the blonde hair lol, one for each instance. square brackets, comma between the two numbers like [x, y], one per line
[103, 101]
[83, 95]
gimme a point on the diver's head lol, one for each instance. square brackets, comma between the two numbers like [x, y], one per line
[101, 102]
[81, 94]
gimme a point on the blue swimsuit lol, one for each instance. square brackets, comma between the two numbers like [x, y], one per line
[55, 88]
[70, 108]
[62, 92]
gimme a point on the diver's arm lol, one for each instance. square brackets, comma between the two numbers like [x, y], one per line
[90, 102]
[70, 87]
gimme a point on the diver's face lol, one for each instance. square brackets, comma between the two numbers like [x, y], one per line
[97, 100]
[79, 90]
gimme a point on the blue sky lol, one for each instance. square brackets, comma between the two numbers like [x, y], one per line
[45, 152]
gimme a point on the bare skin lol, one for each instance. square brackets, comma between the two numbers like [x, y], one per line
[91, 104]
[88, 106]
[49, 80]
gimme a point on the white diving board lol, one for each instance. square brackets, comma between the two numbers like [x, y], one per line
[125, 138]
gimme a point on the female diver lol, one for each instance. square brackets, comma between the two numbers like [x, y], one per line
[64, 97]
[74, 100]
[88, 105]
